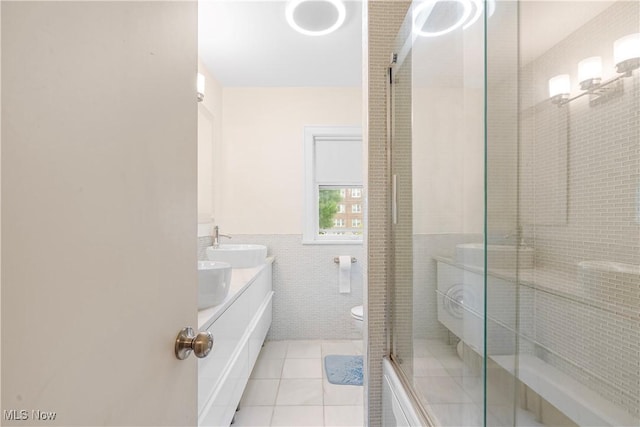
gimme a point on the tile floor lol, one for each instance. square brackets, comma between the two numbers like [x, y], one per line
[452, 390]
[288, 387]
[449, 388]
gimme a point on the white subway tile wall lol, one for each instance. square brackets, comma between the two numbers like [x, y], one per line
[307, 304]
[579, 175]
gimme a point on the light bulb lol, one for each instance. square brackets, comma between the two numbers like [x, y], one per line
[590, 72]
[200, 87]
[626, 53]
[559, 88]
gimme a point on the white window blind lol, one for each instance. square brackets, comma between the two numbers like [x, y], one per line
[333, 160]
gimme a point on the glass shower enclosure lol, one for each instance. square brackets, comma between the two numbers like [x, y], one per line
[515, 164]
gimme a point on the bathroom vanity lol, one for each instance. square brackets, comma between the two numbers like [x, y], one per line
[461, 309]
[239, 326]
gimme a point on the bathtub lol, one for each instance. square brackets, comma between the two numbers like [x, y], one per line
[398, 408]
[581, 405]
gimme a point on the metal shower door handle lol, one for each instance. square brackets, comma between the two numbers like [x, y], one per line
[186, 342]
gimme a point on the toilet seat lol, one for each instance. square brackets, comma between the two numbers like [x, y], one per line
[357, 312]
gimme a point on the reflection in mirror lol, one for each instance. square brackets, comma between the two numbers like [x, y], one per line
[266, 82]
[517, 265]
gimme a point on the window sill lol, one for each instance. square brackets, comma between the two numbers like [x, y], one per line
[331, 242]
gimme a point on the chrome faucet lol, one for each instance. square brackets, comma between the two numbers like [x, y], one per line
[515, 236]
[217, 235]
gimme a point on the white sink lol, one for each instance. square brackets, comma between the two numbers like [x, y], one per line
[214, 278]
[499, 257]
[609, 267]
[239, 256]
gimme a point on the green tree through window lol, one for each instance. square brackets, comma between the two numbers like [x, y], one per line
[328, 207]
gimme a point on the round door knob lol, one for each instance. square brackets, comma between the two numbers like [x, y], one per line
[186, 342]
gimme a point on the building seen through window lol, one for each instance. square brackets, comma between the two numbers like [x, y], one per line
[340, 211]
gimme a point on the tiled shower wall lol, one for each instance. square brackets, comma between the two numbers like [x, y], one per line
[306, 304]
[579, 200]
[501, 210]
[383, 21]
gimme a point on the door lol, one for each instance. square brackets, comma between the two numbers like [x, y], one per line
[98, 212]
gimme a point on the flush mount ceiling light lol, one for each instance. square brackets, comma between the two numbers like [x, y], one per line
[315, 17]
[443, 10]
[424, 10]
[476, 15]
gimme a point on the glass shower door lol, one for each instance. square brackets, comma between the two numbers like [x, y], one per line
[516, 224]
[437, 164]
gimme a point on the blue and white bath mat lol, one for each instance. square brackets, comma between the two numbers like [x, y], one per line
[345, 370]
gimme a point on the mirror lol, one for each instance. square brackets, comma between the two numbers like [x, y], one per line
[265, 81]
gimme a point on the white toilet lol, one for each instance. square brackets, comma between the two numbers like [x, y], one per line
[357, 316]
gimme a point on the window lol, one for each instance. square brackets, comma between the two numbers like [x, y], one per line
[332, 215]
[356, 208]
[333, 174]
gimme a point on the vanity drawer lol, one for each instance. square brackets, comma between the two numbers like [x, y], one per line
[227, 331]
[238, 336]
[228, 393]
[262, 324]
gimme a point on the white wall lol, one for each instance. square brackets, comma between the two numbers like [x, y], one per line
[258, 173]
[257, 197]
[0, 177]
[448, 160]
[209, 137]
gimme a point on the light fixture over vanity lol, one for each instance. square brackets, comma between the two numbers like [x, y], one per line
[200, 87]
[626, 57]
[559, 88]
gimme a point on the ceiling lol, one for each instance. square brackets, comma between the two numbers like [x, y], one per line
[249, 43]
[544, 23]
